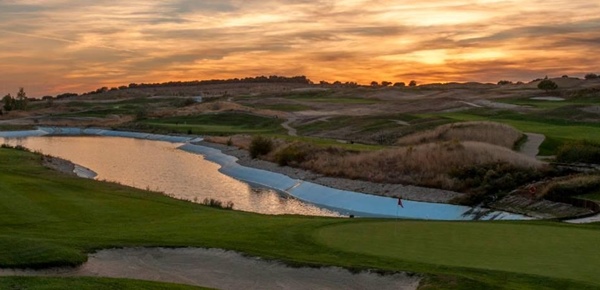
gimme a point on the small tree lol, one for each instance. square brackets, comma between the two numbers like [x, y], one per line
[21, 101]
[374, 84]
[9, 103]
[412, 83]
[399, 84]
[504, 82]
[385, 83]
[547, 85]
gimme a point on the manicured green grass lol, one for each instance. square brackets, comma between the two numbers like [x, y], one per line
[560, 252]
[84, 283]
[48, 219]
[219, 124]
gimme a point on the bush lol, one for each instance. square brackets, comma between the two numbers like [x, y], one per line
[492, 179]
[591, 76]
[292, 154]
[547, 85]
[579, 152]
[217, 203]
[260, 146]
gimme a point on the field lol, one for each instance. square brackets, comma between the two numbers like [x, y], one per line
[48, 219]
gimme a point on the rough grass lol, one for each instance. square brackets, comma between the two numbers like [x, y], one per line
[571, 186]
[47, 218]
[215, 124]
[486, 132]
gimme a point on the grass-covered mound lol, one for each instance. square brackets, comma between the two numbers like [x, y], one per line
[485, 132]
[49, 219]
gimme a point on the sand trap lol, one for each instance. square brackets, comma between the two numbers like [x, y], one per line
[221, 270]
[553, 99]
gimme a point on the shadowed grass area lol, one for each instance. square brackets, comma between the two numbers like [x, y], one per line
[219, 124]
[84, 283]
[48, 219]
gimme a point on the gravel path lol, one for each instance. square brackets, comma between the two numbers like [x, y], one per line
[532, 145]
[291, 131]
[220, 269]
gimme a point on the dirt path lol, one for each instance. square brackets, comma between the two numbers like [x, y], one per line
[532, 145]
[286, 125]
[220, 269]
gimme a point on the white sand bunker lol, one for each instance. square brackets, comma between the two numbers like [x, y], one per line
[221, 270]
[553, 99]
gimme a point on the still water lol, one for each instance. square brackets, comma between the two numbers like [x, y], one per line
[159, 166]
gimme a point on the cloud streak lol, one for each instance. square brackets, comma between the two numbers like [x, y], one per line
[53, 45]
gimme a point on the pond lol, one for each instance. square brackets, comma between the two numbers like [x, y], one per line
[179, 168]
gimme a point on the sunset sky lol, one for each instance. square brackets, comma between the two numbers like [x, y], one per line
[55, 46]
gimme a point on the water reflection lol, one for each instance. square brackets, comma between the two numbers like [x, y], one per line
[161, 167]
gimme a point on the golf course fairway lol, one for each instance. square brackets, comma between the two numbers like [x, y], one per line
[51, 219]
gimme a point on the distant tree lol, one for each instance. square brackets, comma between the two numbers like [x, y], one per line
[547, 85]
[565, 76]
[385, 83]
[21, 100]
[412, 83]
[591, 76]
[374, 84]
[9, 102]
[399, 84]
[504, 82]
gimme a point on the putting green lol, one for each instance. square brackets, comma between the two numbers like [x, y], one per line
[546, 250]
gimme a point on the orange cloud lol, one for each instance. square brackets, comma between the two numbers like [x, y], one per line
[56, 45]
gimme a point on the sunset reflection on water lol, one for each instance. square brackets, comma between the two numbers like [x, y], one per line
[159, 166]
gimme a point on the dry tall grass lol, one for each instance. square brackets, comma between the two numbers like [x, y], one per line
[432, 164]
[487, 132]
[428, 165]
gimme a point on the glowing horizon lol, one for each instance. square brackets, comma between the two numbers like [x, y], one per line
[57, 46]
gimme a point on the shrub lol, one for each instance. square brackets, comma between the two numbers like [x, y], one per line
[547, 85]
[217, 203]
[482, 182]
[292, 154]
[579, 152]
[260, 146]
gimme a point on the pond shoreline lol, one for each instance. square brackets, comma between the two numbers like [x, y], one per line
[347, 202]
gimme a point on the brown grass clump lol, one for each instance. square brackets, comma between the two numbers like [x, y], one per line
[486, 132]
